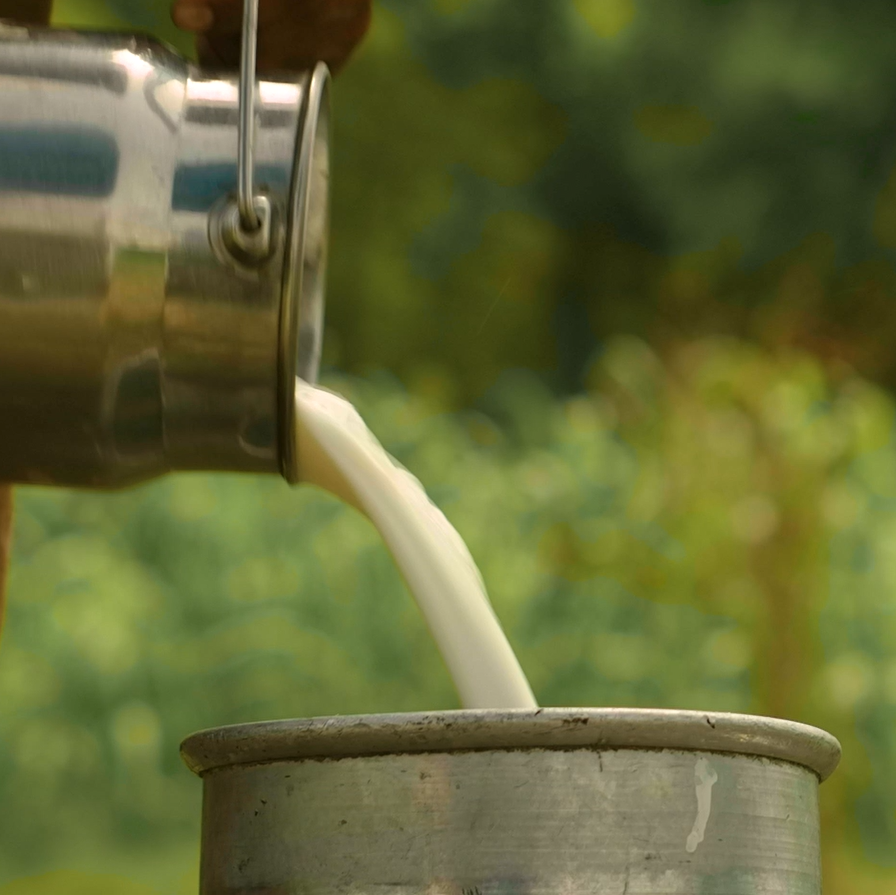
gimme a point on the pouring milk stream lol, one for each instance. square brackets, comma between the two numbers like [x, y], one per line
[337, 452]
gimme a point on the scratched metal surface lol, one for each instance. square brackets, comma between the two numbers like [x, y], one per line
[352, 736]
[495, 822]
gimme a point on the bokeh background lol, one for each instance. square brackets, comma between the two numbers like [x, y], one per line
[616, 280]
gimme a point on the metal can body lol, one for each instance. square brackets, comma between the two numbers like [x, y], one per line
[555, 801]
[130, 343]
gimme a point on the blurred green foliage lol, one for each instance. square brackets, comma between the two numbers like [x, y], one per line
[694, 167]
[629, 265]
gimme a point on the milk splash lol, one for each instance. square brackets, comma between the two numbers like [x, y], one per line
[337, 452]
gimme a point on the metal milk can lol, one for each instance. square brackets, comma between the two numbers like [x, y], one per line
[526, 802]
[163, 237]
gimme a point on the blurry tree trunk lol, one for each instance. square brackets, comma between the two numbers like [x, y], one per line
[792, 568]
[5, 542]
[789, 652]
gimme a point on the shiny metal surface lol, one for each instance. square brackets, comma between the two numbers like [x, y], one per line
[131, 343]
[305, 264]
[552, 801]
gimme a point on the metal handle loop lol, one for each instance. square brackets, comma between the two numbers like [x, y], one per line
[246, 231]
[249, 218]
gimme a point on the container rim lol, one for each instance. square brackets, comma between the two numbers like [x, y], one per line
[356, 736]
[303, 295]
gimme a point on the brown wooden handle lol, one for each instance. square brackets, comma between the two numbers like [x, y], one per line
[28, 12]
[293, 35]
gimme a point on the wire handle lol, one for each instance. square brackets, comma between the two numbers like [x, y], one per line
[246, 153]
[244, 230]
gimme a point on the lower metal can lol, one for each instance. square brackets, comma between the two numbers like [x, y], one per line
[527, 802]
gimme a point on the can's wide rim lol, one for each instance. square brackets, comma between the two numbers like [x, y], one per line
[356, 736]
[301, 312]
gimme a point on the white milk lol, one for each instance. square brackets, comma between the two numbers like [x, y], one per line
[338, 453]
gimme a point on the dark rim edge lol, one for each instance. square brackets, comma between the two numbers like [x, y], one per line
[318, 94]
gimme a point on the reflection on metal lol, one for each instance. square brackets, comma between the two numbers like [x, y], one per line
[578, 801]
[130, 344]
[75, 161]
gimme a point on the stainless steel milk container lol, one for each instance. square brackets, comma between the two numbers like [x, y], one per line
[144, 327]
[528, 802]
